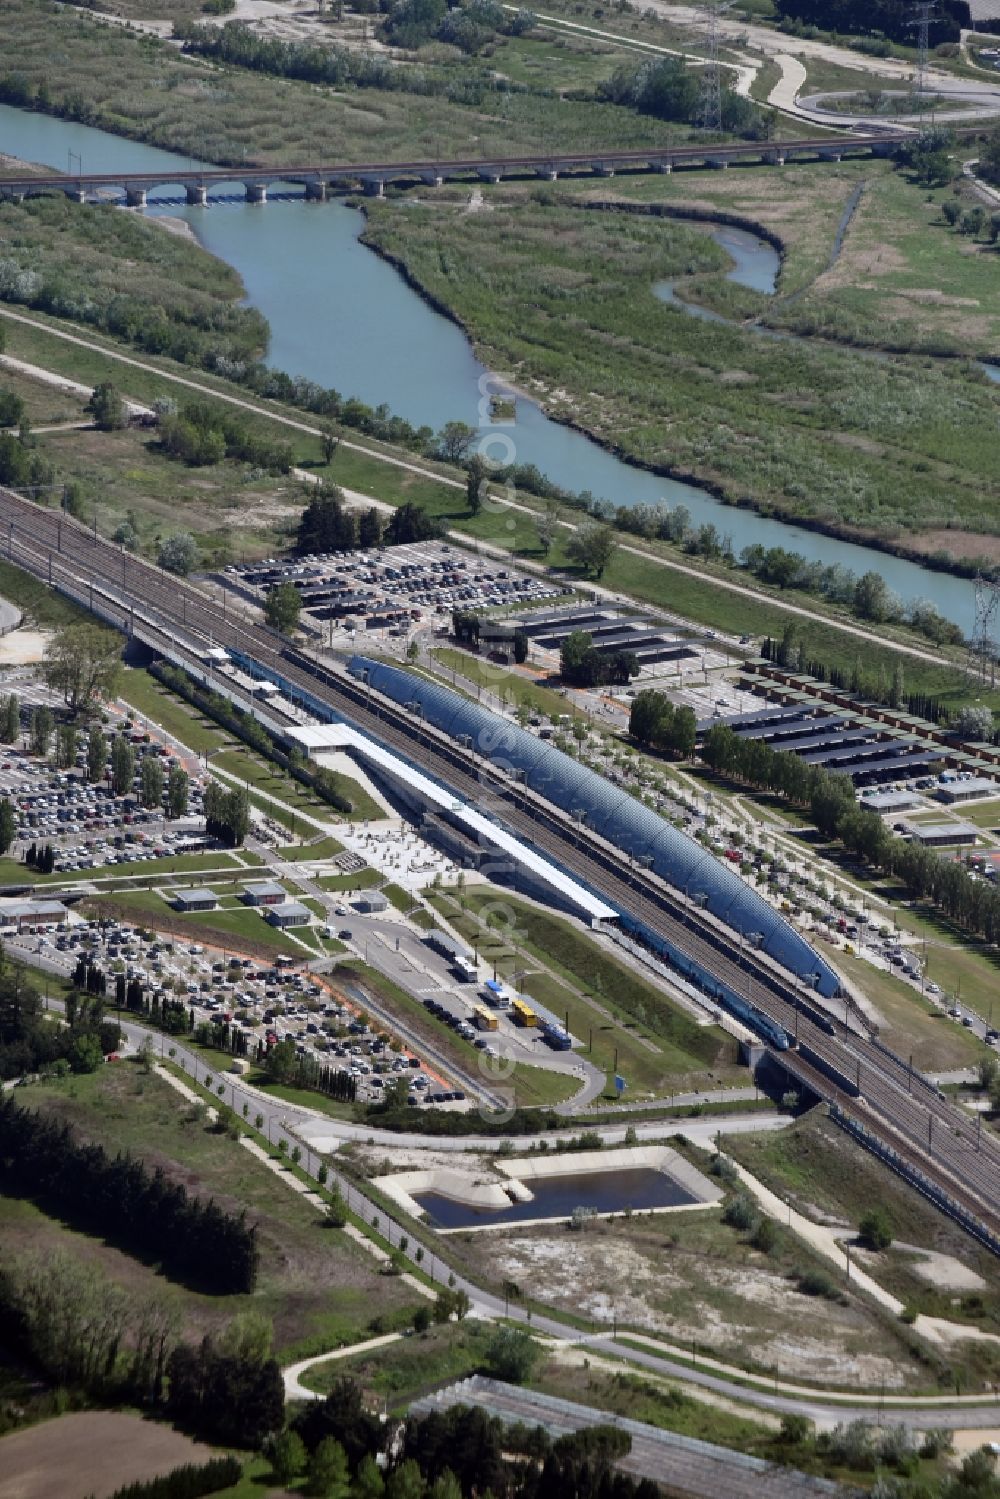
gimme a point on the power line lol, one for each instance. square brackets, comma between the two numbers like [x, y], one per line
[921, 23]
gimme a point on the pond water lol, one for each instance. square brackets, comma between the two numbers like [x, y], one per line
[343, 317]
[639, 1188]
[756, 264]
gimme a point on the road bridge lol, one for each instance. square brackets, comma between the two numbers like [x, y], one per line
[885, 1104]
[319, 178]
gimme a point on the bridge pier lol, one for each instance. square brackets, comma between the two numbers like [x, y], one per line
[135, 197]
[775, 158]
[490, 174]
[601, 169]
[662, 166]
[720, 163]
[256, 192]
[548, 174]
[196, 194]
[830, 155]
[316, 192]
[374, 186]
[76, 193]
[432, 179]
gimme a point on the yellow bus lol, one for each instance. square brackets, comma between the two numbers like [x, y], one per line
[522, 1013]
[484, 1018]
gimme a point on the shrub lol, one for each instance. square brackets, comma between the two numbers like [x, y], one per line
[875, 1230]
[741, 1214]
[816, 1283]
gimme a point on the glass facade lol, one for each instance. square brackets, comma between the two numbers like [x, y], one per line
[609, 811]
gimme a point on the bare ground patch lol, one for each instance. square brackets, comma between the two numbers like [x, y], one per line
[90, 1452]
[697, 1282]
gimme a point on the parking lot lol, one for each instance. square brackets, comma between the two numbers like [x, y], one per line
[86, 824]
[267, 1003]
[392, 588]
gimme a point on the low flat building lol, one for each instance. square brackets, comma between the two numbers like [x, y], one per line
[889, 802]
[23, 913]
[942, 834]
[288, 913]
[967, 791]
[264, 893]
[195, 900]
[371, 900]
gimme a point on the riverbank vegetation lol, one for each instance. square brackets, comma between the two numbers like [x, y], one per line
[253, 517]
[141, 86]
[121, 274]
[562, 298]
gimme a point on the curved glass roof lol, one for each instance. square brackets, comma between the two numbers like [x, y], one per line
[613, 813]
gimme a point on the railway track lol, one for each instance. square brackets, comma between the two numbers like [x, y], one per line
[872, 1087]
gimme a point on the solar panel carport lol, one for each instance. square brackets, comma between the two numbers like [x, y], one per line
[821, 741]
[765, 715]
[809, 723]
[611, 812]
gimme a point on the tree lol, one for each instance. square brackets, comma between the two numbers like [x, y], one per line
[330, 442]
[327, 1474]
[873, 599]
[151, 782]
[107, 408]
[83, 662]
[177, 792]
[446, 1486]
[973, 222]
[368, 1481]
[236, 814]
[42, 724]
[406, 1481]
[85, 1053]
[122, 766]
[8, 825]
[510, 1354]
[410, 523]
[951, 212]
[875, 1230]
[421, 1317]
[547, 525]
[10, 719]
[65, 746]
[282, 607]
[178, 554]
[454, 441]
[11, 409]
[476, 487]
[573, 653]
[369, 528]
[287, 1455]
[97, 753]
[795, 1429]
[326, 525]
[974, 723]
[592, 546]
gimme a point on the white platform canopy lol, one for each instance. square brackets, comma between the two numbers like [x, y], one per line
[335, 737]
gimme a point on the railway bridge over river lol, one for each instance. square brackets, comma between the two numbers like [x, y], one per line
[318, 178]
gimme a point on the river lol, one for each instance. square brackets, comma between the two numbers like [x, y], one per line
[343, 317]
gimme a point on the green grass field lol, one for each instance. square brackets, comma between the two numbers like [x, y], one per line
[318, 1288]
[658, 1048]
[162, 707]
[227, 928]
[511, 684]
